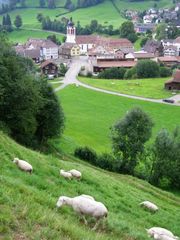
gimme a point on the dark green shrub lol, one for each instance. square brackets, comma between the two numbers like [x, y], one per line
[131, 73]
[147, 69]
[86, 153]
[112, 73]
[106, 161]
[165, 72]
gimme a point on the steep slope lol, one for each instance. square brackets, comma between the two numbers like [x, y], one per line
[27, 202]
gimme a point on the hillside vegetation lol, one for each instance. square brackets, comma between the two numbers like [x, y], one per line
[28, 201]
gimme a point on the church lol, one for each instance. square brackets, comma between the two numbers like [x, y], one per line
[81, 44]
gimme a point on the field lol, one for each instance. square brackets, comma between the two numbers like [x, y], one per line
[28, 201]
[149, 88]
[21, 36]
[105, 13]
[140, 6]
[89, 116]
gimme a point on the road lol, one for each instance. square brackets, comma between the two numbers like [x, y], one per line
[71, 78]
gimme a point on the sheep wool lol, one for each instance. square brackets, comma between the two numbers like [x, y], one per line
[149, 205]
[65, 174]
[75, 173]
[23, 165]
[158, 232]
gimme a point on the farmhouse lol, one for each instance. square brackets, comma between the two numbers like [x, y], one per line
[49, 68]
[169, 61]
[68, 50]
[174, 84]
[154, 47]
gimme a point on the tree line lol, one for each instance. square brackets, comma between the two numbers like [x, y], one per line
[7, 25]
[29, 110]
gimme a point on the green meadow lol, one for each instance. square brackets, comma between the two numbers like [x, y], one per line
[149, 88]
[123, 4]
[28, 202]
[22, 35]
[90, 114]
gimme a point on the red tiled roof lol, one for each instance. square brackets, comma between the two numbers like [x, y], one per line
[177, 40]
[144, 55]
[176, 77]
[110, 64]
[47, 62]
[168, 59]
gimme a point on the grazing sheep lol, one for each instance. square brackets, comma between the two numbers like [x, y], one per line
[159, 233]
[65, 174]
[75, 173]
[23, 165]
[149, 205]
[85, 206]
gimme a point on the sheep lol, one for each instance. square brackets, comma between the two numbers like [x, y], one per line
[75, 173]
[84, 205]
[23, 165]
[160, 233]
[65, 174]
[149, 205]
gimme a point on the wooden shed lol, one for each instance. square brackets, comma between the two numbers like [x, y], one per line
[174, 84]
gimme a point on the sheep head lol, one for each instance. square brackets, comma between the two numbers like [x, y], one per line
[61, 201]
[16, 160]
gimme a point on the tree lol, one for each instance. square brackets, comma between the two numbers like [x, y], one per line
[161, 31]
[18, 21]
[54, 39]
[63, 69]
[127, 31]
[40, 17]
[50, 117]
[51, 4]
[166, 163]
[147, 69]
[129, 136]
[42, 3]
[112, 73]
[6, 22]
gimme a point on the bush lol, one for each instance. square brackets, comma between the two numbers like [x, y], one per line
[113, 73]
[86, 153]
[165, 72]
[131, 73]
[147, 69]
[106, 161]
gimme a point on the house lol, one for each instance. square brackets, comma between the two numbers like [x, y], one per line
[49, 68]
[169, 61]
[143, 28]
[105, 64]
[177, 44]
[38, 49]
[142, 55]
[68, 50]
[147, 19]
[174, 84]
[48, 49]
[170, 51]
[154, 47]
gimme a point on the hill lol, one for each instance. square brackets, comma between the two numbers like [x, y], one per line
[28, 201]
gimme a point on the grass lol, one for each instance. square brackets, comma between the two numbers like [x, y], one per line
[29, 16]
[105, 13]
[149, 88]
[28, 201]
[90, 114]
[22, 35]
[140, 6]
[137, 45]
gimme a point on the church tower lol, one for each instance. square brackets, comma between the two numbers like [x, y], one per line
[71, 33]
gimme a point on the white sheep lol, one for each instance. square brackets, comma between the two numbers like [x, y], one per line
[65, 174]
[23, 165]
[149, 205]
[158, 233]
[164, 237]
[84, 205]
[75, 173]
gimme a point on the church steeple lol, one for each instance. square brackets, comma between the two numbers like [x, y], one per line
[71, 32]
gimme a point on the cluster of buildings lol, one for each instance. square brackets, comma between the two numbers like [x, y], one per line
[102, 52]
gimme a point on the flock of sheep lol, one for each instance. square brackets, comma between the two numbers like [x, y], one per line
[86, 205]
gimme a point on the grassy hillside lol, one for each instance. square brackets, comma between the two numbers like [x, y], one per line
[89, 116]
[149, 88]
[27, 202]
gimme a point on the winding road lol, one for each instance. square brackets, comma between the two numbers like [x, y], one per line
[71, 78]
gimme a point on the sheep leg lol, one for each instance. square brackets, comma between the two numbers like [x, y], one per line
[96, 225]
[85, 221]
